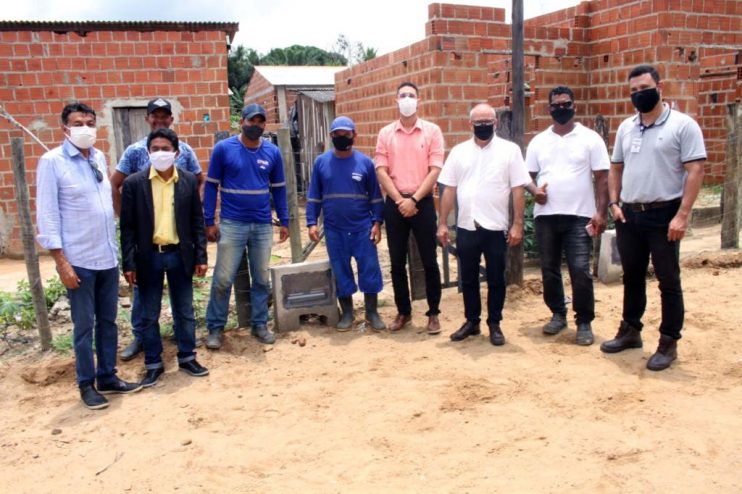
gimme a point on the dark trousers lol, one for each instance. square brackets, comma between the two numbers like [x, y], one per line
[424, 226]
[150, 276]
[643, 235]
[470, 246]
[93, 305]
[565, 234]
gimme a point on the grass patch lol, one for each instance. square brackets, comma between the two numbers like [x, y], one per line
[62, 343]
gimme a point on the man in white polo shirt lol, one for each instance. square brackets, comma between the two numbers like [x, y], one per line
[564, 159]
[656, 173]
[479, 175]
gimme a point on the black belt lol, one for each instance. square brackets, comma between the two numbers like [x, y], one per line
[166, 248]
[644, 206]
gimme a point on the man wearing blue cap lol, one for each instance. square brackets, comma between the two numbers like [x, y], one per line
[345, 189]
[246, 171]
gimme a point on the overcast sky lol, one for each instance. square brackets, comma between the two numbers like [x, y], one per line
[382, 24]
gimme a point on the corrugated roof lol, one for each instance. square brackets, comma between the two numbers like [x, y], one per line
[299, 75]
[320, 96]
[82, 27]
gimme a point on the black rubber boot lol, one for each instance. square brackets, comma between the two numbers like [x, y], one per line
[370, 301]
[346, 319]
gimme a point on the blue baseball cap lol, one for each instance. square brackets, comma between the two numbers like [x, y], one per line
[343, 123]
[252, 110]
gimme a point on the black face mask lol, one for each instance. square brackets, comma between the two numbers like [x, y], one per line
[252, 132]
[646, 99]
[484, 132]
[342, 143]
[562, 115]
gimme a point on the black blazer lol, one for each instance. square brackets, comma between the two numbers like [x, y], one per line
[138, 221]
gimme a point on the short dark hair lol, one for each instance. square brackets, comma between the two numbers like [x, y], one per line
[645, 69]
[168, 134]
[73, 107]
[408, 84]
[561, 90]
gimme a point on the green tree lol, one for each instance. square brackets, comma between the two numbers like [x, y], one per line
[354, 53]
[302, 55]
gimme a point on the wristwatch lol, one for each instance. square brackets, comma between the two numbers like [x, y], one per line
[612, 203]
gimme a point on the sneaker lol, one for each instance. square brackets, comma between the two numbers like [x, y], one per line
[193, 368]
[263, 335]
[558, 322]
[91, 398]
[152, 377]
[214, 340]
[117, 386]
[584, 334]
[132, 350]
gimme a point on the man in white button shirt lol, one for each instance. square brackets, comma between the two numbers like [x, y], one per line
[479, 175]
[564, 160]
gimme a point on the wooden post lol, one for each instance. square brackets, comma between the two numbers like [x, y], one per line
[284, 142]
[730, 217]
[514, 264]
[29, 247]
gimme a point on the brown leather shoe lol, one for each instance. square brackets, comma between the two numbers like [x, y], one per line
[434, 325]
[400, 322]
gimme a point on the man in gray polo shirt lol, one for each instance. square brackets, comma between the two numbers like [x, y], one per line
[656, 173]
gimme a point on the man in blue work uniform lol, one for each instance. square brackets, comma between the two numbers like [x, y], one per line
[246, 171]
[345, 189]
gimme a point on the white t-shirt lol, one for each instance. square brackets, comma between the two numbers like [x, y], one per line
[483, 178]
[566, 164]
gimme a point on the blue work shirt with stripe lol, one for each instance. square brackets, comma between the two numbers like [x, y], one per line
[346, 191]
[246, 179]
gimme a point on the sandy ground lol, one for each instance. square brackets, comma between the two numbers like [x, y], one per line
[376, 412]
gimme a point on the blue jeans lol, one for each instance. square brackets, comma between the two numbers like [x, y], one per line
[341, 246]
[234, 236]
[559, 234]
[643, 235]
[150, 276]
[93, 306]
[136, 315]
[470, 247]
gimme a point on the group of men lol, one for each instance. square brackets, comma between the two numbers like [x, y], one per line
[649, 186]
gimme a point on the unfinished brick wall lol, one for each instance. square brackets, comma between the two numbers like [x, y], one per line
[591, 47]
[42, 70]
[262, 92]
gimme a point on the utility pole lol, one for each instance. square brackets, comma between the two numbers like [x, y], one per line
[514, 270]
[284, 142]
[730, 216]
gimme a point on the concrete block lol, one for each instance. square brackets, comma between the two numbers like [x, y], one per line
[609, 261]
[303, 288]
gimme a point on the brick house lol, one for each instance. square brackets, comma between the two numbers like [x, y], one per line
[114, 67]
[465, 59]
[276, 87]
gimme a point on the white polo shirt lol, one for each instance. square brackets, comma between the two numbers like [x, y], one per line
[483, 178]
[566, 164]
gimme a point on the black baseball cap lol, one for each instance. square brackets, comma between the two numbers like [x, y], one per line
[159, 104]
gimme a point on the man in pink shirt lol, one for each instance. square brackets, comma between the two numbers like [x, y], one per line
[409, 157]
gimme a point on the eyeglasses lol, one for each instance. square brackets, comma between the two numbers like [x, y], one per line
[564, 106]
[98, 174]
[483, 123]
[406, 95]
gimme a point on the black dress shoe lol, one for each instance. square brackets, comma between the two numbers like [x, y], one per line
[152, 376]
[467, 329]
[496, 336]
[132, 350]
[91, 398]
[193, 368]
[117, 386]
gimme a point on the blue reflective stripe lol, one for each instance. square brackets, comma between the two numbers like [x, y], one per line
[314, 200]
[279, 184]
[213, 180]
[345, 196]
[249, 192]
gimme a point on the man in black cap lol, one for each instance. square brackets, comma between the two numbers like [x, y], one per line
[135, 159]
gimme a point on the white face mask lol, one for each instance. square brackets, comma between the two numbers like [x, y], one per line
[407, 106]
[82, 137]
[162, 160]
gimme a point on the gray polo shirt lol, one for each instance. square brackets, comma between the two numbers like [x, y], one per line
[653, 157]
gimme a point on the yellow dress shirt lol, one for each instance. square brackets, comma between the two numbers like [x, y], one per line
[163, 199]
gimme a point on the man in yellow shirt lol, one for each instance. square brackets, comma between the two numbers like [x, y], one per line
[162, 234]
